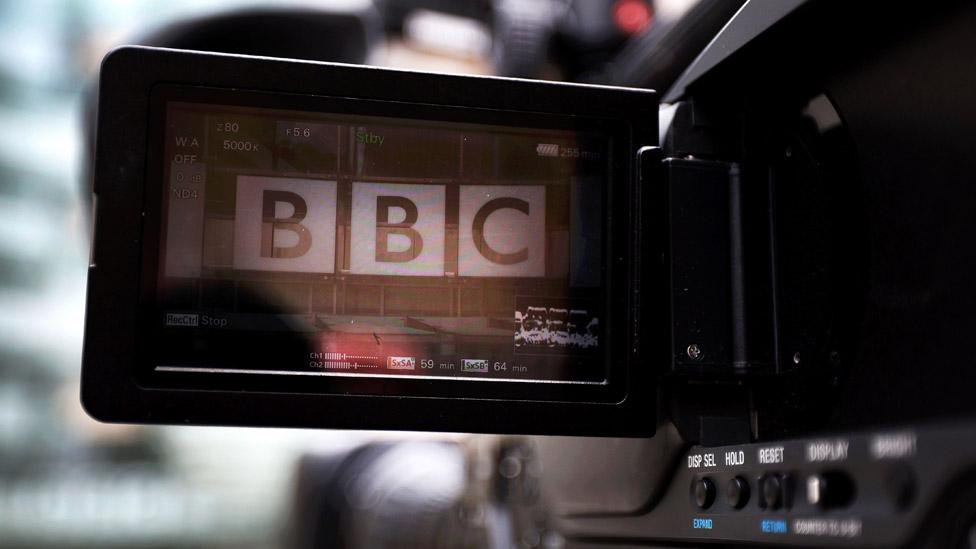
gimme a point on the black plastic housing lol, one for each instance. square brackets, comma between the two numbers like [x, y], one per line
[126, 185]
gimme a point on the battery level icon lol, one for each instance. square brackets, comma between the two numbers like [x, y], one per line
[547, 149]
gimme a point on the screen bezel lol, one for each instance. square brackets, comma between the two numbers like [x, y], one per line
[613, 302]
[136, 82]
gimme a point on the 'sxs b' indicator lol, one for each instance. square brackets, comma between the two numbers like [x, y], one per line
[474, 365]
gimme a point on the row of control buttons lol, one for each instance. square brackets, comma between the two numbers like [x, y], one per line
[775, 491]
[737, 492]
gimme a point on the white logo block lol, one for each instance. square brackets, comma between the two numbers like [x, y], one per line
[397, 229]
[285, 224]
[502, 231]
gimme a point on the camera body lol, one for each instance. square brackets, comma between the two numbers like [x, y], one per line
[779, 291]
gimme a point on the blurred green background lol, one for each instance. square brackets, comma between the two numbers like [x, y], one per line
[66, 480]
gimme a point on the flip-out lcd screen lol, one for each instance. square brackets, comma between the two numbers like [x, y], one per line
[324, 244]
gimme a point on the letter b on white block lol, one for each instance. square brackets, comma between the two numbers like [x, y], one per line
[284, 224]
[397, 229]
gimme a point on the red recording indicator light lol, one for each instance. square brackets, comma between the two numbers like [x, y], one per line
[632, 16]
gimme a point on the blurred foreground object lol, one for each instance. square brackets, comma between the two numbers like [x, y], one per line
[479, 492]
[297, 33]
[382, 495]
[549, 39]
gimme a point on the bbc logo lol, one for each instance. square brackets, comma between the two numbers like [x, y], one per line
[286, 224]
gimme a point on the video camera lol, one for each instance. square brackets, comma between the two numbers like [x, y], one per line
[768, 269]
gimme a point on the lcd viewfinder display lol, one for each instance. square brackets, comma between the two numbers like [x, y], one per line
[321, 244]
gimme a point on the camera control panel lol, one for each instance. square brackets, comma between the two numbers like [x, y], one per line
[866, 490]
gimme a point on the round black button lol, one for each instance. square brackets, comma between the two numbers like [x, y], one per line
[703, 492]
[771, 491]
[737, 492]
[900, 485]
[830, 489]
